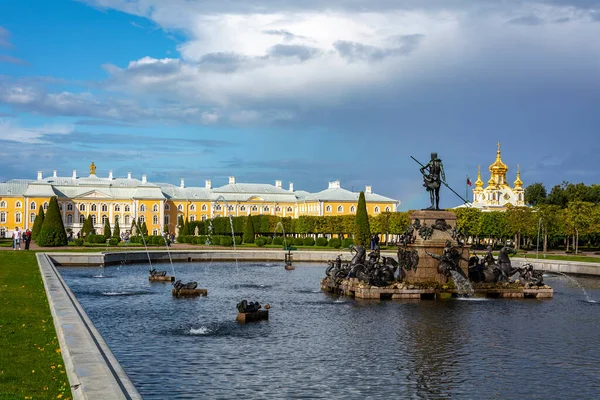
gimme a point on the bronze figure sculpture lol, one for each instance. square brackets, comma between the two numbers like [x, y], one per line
[432, 179]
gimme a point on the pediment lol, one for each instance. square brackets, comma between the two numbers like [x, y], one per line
[93, 194]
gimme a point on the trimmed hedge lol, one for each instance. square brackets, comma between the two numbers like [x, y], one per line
[309, 241]
[322, 241]
[298, 241]
[347, 242]
[113, 241]
[335, 243]
[260, 241]
[78, 242]
[226, 241]
[278, 240]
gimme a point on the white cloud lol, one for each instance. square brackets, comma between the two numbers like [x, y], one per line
[14, 133]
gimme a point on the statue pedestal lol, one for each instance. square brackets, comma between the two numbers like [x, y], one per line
[427, 270]
[260, 315]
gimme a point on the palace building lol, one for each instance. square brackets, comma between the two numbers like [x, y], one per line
[498, 195]
[161, 204]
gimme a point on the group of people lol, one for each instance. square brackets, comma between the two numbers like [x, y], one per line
[20, 236]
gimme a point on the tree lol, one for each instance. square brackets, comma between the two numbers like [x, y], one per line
[186, 228]
[550, 221]
[107, 229]
[88, 226]
[362, 231]
[519, 222]
[579, 219]
[117, 230]
[535, 194]
[180, 224]
[37, 224]
[144, 229]
[52, 232]
[248, 230]
[468, 221]
[558, 196]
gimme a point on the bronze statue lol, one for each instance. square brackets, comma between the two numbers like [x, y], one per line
[433, 179]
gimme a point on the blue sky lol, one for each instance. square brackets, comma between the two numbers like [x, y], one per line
[305, 92]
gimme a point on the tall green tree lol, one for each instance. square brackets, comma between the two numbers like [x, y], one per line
[117, 230]
[88, 226]
[550, 221]
[144, 229]
[520, 223]
[186, 227]
[535, 194]
[558, 195]
[248, 230]
[52, 232]
[37, 224]
[579, 219]
[107, 232]
[362, 231]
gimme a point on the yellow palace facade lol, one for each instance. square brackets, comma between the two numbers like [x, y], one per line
[159, 205]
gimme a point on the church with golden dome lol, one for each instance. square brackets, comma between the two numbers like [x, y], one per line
[498, 195]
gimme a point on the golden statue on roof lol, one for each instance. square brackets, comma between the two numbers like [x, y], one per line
[92, 169]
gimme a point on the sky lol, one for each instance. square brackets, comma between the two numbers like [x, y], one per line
[301, 91]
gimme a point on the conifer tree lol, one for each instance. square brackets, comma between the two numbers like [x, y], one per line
[362, 231]
[37, 224]
[117, 230]
[107, 229]
[88, 226]
[186, 227]
[144, 229]
[180, 224]
[248, 230]
[52, 232]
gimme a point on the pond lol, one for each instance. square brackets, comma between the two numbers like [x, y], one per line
[316, 345]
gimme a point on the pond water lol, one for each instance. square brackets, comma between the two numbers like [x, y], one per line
[320, 346]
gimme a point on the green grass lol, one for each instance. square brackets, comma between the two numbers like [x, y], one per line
[6, 242]
[561, 258]
[31, 365]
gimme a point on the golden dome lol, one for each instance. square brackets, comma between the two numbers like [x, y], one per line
[479, 182]
[498, 167]
[518, 183]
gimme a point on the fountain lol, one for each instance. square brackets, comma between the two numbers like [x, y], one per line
[588, 299]
[288, 257]
[251, 312]
[189, 289]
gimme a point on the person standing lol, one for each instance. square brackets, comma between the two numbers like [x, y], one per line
[16, 236]
[27, 238]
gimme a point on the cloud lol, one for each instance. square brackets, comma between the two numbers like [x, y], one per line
[286, 35]
[527, 20]
[353, 51]
[14, 133]
[11, 60]
[301, 52]
[4, 35]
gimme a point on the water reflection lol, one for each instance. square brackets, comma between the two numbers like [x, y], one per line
[317, 345]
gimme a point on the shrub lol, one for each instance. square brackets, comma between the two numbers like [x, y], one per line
[117, 231]
[335, 243]
[113, 241]
[309, 241]
[201, 240]
[226, 241]
[249, 231]
[99, 239]
[298, 241]
[37, 224]
[269, 239]
[78, 242]
[260, 241]
[322, 241]
[278, 240]
[238, 240]
[88, 226]
[347, 242]
[52, 232]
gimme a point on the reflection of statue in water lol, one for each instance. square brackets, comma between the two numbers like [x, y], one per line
[433, 179]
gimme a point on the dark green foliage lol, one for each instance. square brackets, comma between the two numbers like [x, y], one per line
[362, 231]
[98, 239]
[52, 232]
[186, 228]
[37, 224]
[249, 230]
[535, 194]
[113, 241]
[144, 229]
[335, 243]
[226, 241]
[88, 226]
[299, 241]
[347, 242]
[321, 241]
[309, 241]
[260, 241]
[78, 242]
[117, 232]
[238, 240]
[278, 240]
[107, 232]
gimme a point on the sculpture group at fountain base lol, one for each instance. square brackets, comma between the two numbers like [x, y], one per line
[422, 291]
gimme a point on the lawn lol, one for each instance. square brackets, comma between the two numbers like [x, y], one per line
[541, 257]
[31, 366]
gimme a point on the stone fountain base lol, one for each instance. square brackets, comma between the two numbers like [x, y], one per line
[189, 292]
[418, 291]
[157, 278]
[290, 267]
[260, 315]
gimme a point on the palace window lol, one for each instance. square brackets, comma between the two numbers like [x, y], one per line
[127, 208]
[32, 206]
[204, 208]
[180, 207]
[289, 209]
[266, 208]
[93, 219]
[127, 220]
[94, 207]
[60, 206]
[18, 218]
[376, 210]
[193, 207]
[154, 232]
[104, 218]
[104, 208]
[2, 204]
[117, 208]
[18, 205]
[340, 209]
[203, 217]
[231, 208]
[45, 205]
[277, 209]
[254, 208]
[387, 209]
[82, 207]
[218, 207]
[3, 217]
[167, 220]
[192, 218]
[155, 208]
[352, 209]
[32, 217]
[142, 208]
[81, 218]
[328, 209]
[155, 220]
[242, 208]
[167, 207]
[142, 219]
[69, 219]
